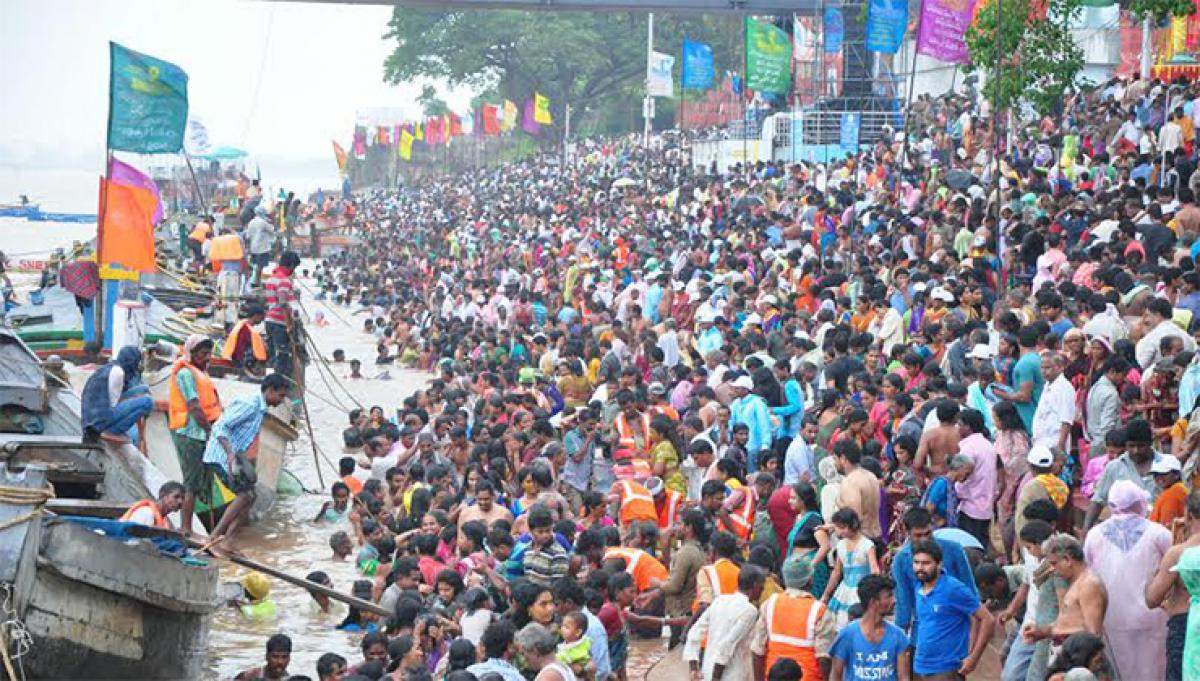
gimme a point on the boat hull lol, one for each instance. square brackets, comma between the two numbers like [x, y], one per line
[103, 608]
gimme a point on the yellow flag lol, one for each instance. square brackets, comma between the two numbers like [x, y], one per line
[541, 109]
[418, 133]
[510, 116]
[446, 132]
[406, 142]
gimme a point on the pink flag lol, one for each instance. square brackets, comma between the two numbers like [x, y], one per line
[123, 173]
[943, 25]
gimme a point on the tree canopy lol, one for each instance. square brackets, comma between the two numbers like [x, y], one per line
[590, 60]
[1039, 58]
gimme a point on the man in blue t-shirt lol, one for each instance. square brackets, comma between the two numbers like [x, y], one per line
[1027, 380]
[870, 648]
[955, 627]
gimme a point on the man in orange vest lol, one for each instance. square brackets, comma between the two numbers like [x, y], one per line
[648, 572]
[244, 346]
[193, 406]
[737, 513]
[154, 512]
[719, 578]
[631, 427]
[794, 625]
[667, 503]
[634, 501]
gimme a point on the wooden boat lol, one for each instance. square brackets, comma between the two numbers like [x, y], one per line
[101, 605]
[40, 424]
[277, 433]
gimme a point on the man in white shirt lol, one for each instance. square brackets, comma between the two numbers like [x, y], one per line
[1170, 137]
[1056, 409]
[728, 624]
[1157, 318]
[798, 462]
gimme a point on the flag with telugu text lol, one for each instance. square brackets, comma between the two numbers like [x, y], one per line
[147, 103]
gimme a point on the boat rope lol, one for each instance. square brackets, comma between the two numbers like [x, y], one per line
[15, 641]
[24, 496]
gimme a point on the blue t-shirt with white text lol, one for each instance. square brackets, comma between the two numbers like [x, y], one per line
[867, 661]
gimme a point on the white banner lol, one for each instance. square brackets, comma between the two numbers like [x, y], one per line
[658, 76]
[195, 138]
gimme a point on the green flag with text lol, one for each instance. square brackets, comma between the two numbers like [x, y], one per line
[147, 103]
[768, 58]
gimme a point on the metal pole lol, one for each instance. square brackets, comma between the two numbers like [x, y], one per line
[1146, 47]
[196, 184]
[742, 96]
[996, 110]
[566, 135]
[646, 103]
[912, 85]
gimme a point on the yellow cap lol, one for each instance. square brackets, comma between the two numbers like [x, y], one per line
[256, 585]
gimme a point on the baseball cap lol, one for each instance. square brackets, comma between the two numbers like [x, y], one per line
[1040, 456]
[1165, 464]
[657, 388]
[980, 351]
[744, 382]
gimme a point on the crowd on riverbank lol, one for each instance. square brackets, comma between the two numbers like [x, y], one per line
[849, 421]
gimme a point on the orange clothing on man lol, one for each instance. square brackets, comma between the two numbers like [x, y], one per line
[647, 571]
[636, 503]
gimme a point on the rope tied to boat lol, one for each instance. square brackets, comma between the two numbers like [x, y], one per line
[24, 496]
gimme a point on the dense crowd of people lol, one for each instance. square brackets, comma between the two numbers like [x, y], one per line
[880, 418]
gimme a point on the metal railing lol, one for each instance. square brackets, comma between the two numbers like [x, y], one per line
[825, 127]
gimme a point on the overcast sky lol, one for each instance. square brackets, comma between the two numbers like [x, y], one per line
[280, 79]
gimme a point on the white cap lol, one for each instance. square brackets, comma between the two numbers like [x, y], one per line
[678, 285]
[752, 318]
[654, 485]
[1040, 456]
[980, 351]
[744, 382]
[1165, 464]
[770, 299]
[940, 293]
[919, 287]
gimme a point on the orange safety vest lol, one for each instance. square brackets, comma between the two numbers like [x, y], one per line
[791, 631]
[210, 401]
[159, 520]
[636, 503]
[200, 232]
[722, 577]
[641, 565]
[743, 516]
[257, 345]
[669, 513]
[626, 440]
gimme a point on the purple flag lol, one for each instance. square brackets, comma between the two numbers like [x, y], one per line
[943, 24]
[123, 173]
[528, 123]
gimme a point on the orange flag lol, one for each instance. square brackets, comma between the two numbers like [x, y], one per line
[340, 154]
[128, 237]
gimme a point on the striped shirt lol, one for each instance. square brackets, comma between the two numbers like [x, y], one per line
[545, 564]
[239, 424]
[280, 295]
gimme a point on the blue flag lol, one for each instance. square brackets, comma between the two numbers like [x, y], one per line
[835, 29]
[697, 65]
[886, 22]
[851, 123]
[147, 103]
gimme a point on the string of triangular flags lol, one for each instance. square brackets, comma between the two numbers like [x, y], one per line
[488, 120]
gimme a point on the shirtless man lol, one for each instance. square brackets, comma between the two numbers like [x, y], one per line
[938, 444]
[1086, 600]
[859, 489]
[1167, 591]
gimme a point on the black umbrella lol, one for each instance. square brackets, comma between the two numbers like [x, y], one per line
[959, 180]
[748, 203]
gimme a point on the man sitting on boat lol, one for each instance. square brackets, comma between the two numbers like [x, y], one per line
[245, 346]
[193, 407]
[114, 399]
[227, 453]
[154, 512]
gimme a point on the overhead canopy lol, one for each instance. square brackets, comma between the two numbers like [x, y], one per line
[225, 154]
[703, 6]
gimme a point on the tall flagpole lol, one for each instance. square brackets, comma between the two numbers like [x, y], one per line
[647, 106]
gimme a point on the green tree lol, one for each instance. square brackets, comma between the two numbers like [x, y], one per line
[1160, 9]
[1038, 56]
[589, 60]
[431, 102]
